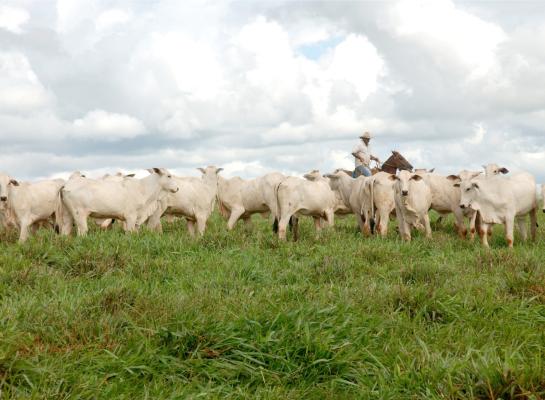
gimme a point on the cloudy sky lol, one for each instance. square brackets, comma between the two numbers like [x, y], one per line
[255, 86]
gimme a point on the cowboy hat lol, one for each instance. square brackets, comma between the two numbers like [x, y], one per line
[366, 135]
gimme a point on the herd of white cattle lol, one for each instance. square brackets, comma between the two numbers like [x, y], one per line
[477, 199]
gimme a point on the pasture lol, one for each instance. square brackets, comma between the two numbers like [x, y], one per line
[241, 315]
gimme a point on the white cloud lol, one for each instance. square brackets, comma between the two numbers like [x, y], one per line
[13, 18]
[103, 125]
[20, 87]
[110, 18]
[450, 32]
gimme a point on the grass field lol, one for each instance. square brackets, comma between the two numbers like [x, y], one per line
[240, 315]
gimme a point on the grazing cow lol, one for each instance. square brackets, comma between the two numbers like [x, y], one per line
[194, 201]
[239, 198]
[27, 205]
[128, 200]
[502, 200]
[311, 196]
[413, 199]
[379, 202]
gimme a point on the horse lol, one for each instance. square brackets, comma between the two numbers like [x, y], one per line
[395, 162]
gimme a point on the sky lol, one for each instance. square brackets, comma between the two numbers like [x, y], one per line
[258, 86]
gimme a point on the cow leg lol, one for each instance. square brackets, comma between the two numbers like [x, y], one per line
[330, 217]
[201, 224]
[248, 223]
[283, 225]
[359, 219]
[81, 223]
[427, 226]
[190, 227]
[295, 227]
[24, 226]
[523, 229]
[384, 219]
[533, 223]
[483, 233]
[130, 223]
[439, 221]
[472, 225]
[317, 224]
[509, 228]
[460, 223]
[236, 213]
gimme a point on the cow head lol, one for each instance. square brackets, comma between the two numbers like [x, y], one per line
[494, 169]
[403, 182]
[469, 189]
[165, 179]
[6, 181]
[210, 174]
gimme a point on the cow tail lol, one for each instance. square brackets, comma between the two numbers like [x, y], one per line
[372, 216]
[276, 213]
[59, 211]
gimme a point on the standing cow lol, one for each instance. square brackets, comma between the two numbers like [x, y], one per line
[26, 205]
[239, 198]
[129, 200]
[413, 199]
[502, 200]
[298, 196]
[194, 201]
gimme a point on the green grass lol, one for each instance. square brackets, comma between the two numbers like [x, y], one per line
[241, 315]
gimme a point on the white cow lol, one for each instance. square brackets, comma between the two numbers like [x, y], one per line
[350, 192]
[298, 196]
[106, 223]
[446, 200]
[128, 200]
[379, 200]
[194, 201]
[502, 200]
[27, 205]
[413, 199]
[239, 198]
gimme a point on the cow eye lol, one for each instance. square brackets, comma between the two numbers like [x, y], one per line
[468, 189]
[170, 176]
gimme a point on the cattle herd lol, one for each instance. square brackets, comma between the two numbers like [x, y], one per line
[477, 200]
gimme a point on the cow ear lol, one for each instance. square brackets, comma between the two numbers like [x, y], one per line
[331, 176]
[476, 174]
[416, 178]
[393, 177]
[431, 170]
[158, 171]
[13, 182]
[456, 185]
[453, 178]
[476, 186]
[218, 170]
[130, 175]
[504, 170]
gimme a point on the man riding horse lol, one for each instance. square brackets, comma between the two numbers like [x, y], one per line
[363, 157]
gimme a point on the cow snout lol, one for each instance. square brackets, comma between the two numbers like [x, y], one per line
[404, 192]
[3, 198]
[462, 206]
[175, 190]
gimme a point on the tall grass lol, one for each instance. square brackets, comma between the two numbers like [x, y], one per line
[241, 315]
